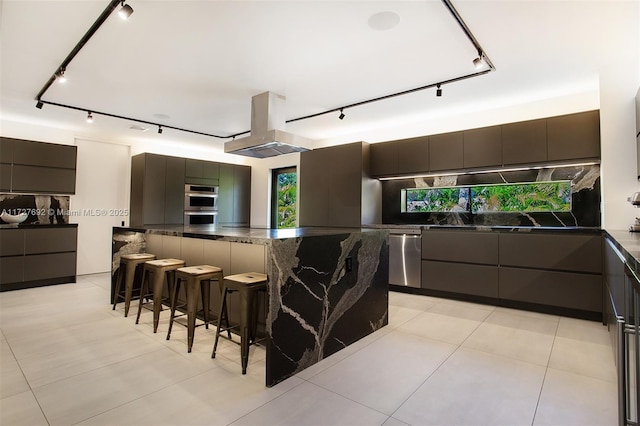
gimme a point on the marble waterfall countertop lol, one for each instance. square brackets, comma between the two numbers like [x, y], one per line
[629, 245]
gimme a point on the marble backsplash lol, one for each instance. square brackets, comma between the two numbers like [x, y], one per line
[585, 199]
[42, 209]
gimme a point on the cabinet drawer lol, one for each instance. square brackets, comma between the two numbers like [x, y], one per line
[43, 180]
[11, 242]
[50, 240]
[45, 266]
[478, 280]
[579, 253]
[454, 246]
[11, 269]
[44, 154]
[563, 289]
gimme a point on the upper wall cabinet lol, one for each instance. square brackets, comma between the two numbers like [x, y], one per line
[573, 136]
[483, 147]
[446, 151]
[202, 172]
[37, 167]
[524, 142]
[563, 138]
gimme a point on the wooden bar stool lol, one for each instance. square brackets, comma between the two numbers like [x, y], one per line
[194, 277]
[127, 270]
[247, 285]
[162, 271]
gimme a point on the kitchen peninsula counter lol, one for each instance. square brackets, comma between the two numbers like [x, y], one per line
[327, 287]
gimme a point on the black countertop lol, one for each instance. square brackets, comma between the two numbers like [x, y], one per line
[37, 225]
[564, 229]
[628, 243]
[241, 233]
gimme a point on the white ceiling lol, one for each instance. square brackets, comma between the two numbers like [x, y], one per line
[200, 62]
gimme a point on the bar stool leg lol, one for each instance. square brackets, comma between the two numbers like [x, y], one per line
[119, 279]
[192, 308]
[128, 286]
[159, 278]
[174, 302]
[246, 300]
[144, 289]
[205, 290]
[223, 308]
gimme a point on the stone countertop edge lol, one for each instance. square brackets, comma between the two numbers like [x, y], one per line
[38, 225]
[628, 243]
[532, 229]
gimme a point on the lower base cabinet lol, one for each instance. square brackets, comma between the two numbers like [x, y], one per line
[477, 280]
[37, 256]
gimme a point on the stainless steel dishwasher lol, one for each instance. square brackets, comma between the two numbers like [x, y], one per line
[405, 248]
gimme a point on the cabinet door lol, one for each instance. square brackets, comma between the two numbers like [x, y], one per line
[174, 191]
[210, 170]
[483, 147]
[154, 189]
[524, 142]
[562, 289]
[43, 180]
[413, 155]
[50, 240]
[345, 191]
[6, 150]
[225, 197]
[46, 266]
[193, 168]
[5, 177]
[614, 277]
[314, 180]
[574, 136]
[242, 194]
[11, 242]
[384, 159]
[446, 151]
[44, 154]
[477, 280]
[460, 246]
[11, 269]
[579, 253]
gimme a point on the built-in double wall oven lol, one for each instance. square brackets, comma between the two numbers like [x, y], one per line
[200, 205]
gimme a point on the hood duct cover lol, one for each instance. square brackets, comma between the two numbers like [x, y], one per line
[268, 137]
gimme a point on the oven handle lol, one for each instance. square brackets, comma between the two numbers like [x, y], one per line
[201, 213]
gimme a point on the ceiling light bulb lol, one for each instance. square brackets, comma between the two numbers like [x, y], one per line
[89, 117]
[479, 63]
[125, 11]
[61, 77]
[438, 90]
[341, 116]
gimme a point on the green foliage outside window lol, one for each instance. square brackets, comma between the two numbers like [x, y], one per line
[287, 189]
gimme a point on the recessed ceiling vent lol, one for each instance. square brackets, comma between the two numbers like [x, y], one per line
[268, 137]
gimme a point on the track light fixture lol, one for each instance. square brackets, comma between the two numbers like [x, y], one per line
[89, 117]
[438, 90]
[39, 104]
[125, 11]
[160, 130]
[60, 76]
[479, 62]
[341, 116]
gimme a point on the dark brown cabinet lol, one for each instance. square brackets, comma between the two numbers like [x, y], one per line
[37, 167]
[461, 278]
[483, 147]
[574, 136]
[157, 190]
[234, 199]
[37, 256]
[384, 158]
[335, 187]
[460, 246]
[413, 155]
[446, 151]
[524, 142]
[202, 172]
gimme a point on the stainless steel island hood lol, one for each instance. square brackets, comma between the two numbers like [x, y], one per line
[268, 137]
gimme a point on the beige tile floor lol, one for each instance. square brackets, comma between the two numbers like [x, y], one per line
[68, 359]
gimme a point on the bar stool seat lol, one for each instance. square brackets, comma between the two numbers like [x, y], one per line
[128, 265]
[247, 285]
[162, 271]
[194, 277]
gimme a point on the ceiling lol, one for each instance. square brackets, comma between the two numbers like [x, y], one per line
[196, 64]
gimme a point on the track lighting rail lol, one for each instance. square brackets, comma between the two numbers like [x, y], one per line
[113, 4]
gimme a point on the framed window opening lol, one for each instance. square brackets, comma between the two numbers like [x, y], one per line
[284, 197]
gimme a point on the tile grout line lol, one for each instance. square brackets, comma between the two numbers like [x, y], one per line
[544, 378]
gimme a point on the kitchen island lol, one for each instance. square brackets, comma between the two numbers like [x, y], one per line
[327, 287]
